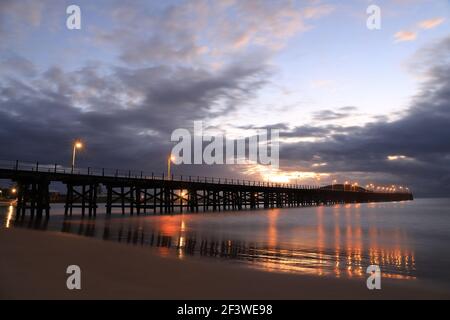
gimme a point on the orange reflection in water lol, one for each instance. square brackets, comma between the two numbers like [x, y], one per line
[169, 225]
[272, 230]
[353, 258]
[9, 216]
[181, 245]
[320, 239]
[337, 241]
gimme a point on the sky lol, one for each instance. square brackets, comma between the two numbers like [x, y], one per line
[352, 104]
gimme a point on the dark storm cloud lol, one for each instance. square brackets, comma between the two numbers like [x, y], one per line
[125, 117]
[177, 96]
[125, 111]
[421, 135]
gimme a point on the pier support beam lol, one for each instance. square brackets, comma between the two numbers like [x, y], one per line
[83, 196]
[33, 195]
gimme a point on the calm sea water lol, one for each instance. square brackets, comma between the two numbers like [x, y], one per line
[408, 240]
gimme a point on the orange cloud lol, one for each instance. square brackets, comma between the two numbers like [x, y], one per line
[405, 36]
[430, 23]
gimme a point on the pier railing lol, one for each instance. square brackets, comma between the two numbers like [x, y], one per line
[139, 174]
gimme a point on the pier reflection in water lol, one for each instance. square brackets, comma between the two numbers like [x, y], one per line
[320, 241]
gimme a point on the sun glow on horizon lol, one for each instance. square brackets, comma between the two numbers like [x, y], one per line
[276, 175]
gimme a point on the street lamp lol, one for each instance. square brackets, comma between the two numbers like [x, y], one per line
[170, 158]
[77, 145]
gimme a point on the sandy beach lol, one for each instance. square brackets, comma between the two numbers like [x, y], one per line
[33, 265]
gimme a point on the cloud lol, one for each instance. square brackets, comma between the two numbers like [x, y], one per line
[125, 116]
[27, 11]
[369, 151]
[402, 36]
[425, 61]
[314, 12]
[340, 113]
[431, 23]
[206, 32]
[18, 65]
[126, 108]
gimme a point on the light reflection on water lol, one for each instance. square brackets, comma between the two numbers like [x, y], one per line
[339, 241]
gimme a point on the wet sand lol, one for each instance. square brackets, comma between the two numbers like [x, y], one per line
[33, 266]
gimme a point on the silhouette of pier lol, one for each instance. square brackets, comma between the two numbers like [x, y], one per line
[134, 192]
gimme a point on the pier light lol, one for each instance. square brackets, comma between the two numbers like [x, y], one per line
[171, 158]
[77, 145]
[13, 190]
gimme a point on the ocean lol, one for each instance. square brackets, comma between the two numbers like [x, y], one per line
[408, 240]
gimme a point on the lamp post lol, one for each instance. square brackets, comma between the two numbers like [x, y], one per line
[170, 158]
[76, 145]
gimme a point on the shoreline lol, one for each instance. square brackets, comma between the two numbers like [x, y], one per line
[33, 266]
